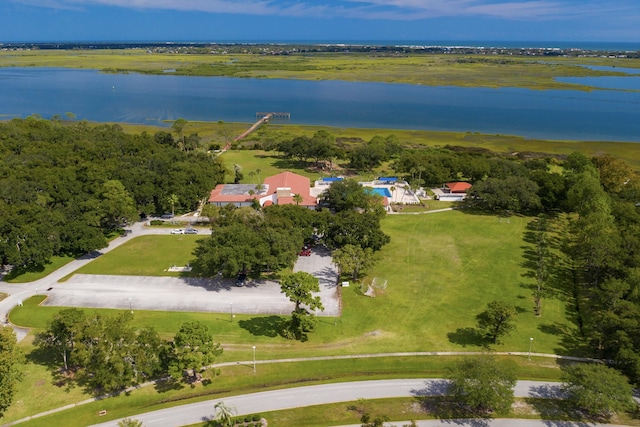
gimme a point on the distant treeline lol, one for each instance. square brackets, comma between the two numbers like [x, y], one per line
[295, 48]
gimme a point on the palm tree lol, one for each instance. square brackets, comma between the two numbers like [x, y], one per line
[258, 173]
[173, 199]
[128, 422]
[224, 414]
[297, 198]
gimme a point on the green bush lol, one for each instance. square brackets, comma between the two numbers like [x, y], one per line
[247, 418]
[256, 417]
[156, 222]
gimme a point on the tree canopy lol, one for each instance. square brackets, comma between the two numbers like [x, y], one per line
[481, 385]
[597, 390]
[10, 374]
[63, 188]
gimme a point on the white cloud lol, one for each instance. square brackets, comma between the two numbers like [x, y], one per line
[373, 9]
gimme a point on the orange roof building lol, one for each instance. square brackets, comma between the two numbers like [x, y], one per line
[457, 187]
[283, 186]
[278, 189]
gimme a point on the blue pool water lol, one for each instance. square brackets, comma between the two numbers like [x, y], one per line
[382, 192]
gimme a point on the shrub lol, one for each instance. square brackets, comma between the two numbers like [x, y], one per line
[256, 417]
[156, 222]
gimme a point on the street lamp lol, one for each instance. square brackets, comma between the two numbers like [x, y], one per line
[254, 359]
[530, 344]
[231, 306]
[130, 307]
[37, 291]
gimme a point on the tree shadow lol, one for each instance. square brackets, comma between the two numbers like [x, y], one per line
[469, 337]
[270, 326]
[164, 385]
[571, 344]
[559, 413]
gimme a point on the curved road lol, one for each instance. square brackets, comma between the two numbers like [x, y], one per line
[343, 392]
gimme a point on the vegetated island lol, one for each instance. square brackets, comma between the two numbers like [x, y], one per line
[533, 68]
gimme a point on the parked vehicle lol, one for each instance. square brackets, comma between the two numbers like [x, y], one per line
[177, 231]
[241, 280]
[167, 215]
[306, 251]
[190, 231]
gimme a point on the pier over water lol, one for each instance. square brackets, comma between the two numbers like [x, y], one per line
[261, 117]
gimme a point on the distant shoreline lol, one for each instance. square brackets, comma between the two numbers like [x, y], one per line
[566, 47]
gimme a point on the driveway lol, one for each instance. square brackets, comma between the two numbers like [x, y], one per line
[320, 265]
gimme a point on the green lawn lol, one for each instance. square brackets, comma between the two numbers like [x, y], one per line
[442, 269]
[35, 273]
[149, 255]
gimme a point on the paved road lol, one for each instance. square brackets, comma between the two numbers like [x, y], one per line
[169, 293]
[340, 392]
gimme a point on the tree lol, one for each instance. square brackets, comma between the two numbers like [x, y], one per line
[10, 358]
[597, 390]
[178, 127]
[224, 414]
[497, 320]
[352, 259]
[117, 206]
[299, 288]
[512, 193]
[297, 198]
[193, 348]
[357, 229]
[61, 333]
[481, 386]
[129, 422]
[173, 200]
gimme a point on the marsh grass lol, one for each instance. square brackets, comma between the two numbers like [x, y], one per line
[431, 70]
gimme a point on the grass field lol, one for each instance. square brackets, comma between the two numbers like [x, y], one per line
[442, 269]
[153, 255]
[431, 70]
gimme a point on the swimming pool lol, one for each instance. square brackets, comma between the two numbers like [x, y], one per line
[382, 192]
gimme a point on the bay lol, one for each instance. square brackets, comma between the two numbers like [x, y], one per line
[601, 115]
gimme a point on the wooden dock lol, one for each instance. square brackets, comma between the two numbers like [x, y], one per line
[261, 118]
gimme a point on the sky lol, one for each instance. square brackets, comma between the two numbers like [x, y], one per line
[320, 20]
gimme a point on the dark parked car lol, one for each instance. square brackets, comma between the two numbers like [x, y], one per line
[168, 215]
[242, 279]
[190, 231]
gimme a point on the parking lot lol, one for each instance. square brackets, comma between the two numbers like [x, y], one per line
[191, 294]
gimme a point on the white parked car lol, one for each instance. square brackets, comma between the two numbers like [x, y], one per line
[177, 231]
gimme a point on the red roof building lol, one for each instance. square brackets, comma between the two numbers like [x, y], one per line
[278, 189]
[457, 187]
[284, 186]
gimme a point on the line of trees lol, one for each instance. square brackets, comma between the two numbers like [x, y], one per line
[107, 354]
[65, 187]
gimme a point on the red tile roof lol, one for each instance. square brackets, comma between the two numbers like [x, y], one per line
[297, 183]
[458, 187]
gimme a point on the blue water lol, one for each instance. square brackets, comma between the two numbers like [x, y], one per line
[384, 192]
[600, 115]
[607, 82]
